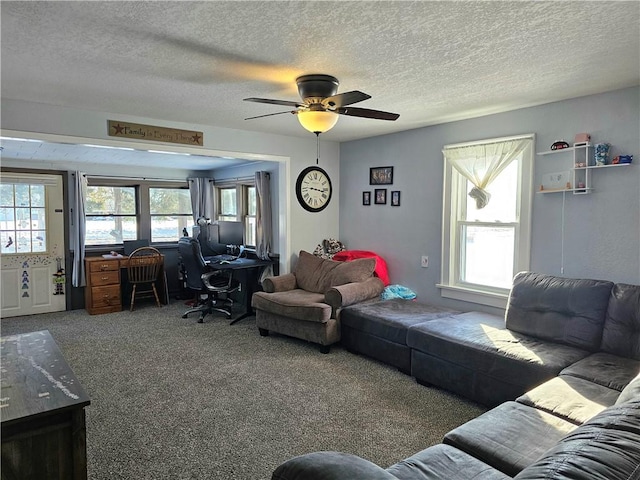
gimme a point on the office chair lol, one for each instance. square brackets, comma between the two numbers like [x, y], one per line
[215, 284]
[143, 268]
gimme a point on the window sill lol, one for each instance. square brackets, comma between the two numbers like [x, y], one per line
[491, 299]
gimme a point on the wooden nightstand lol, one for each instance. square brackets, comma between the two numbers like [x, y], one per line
[102, 293]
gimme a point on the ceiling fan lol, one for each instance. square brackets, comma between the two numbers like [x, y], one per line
[321, 104]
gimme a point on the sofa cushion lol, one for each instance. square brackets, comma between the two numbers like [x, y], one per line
[390, 319]
[570, 398]
[562, 310]
[298, 304]
[630, 392]
[605, 369]
[481, 343]
[444, 462]
[317, 275]
[607, 447]
[329, 466]
[509, 437]
[621, 335]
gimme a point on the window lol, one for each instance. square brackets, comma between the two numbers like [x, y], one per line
[116, 211]
[111, 215]
[250, 217]
[170, 211]
[237, 203]
[228, 204]
[483, 248]
[23, 218]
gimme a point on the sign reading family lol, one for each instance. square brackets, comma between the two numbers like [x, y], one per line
[157, 134]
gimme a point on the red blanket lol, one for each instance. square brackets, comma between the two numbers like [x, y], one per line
[381, 266]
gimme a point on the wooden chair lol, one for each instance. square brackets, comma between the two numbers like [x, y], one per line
[144, 269]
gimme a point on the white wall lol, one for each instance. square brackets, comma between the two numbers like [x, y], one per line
[298, 229]
[602, 230]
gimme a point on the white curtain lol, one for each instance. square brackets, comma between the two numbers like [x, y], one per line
[202, 198]
[264, 227]
[78, 230]
[482, 163]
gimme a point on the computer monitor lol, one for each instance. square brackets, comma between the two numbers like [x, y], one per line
[130, 245]
[207, 236]
[231, 233]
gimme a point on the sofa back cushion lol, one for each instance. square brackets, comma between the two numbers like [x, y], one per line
[621, 334]
[318, 275]
[607, 447]
[562, 310]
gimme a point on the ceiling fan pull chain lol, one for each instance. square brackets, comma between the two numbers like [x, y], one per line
[317, 148]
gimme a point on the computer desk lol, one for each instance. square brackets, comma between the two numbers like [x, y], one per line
[248, 270]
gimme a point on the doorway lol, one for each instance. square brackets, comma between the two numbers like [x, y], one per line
[31, 244]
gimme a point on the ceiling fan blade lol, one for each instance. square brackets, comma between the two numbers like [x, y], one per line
[367, 113]
[274, 102]
[271, 114]
[346, 98]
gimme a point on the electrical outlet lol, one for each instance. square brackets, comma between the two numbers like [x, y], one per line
[424, 262]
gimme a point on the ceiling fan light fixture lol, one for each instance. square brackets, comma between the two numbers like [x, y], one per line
[317, 121]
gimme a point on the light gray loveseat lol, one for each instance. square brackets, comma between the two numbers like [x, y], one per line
[306, 303]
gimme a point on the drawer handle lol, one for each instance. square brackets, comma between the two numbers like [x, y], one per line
[105, 278]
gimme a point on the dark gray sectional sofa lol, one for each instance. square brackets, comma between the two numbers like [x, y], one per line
[562, 367]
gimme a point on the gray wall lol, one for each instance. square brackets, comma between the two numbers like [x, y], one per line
[601, 230]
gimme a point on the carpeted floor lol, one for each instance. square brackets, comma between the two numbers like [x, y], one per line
[174, 399]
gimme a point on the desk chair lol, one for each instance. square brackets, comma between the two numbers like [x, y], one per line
[143, 268]
[217, 285]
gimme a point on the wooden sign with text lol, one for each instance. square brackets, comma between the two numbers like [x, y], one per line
[156, 134]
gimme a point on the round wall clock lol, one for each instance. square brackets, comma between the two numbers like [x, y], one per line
[313, 189]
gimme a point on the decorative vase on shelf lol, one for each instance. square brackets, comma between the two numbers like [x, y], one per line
[602, 153]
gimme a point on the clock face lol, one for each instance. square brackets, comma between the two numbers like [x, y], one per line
[313, 189]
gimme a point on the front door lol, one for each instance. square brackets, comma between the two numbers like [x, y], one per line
[32, 244]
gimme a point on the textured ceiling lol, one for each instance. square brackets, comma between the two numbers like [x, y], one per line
[431, 62]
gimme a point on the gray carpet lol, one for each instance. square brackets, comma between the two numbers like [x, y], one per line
[174, 399]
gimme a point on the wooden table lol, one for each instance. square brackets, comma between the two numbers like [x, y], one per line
[42, 407]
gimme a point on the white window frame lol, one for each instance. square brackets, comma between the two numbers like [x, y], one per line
[454, 192]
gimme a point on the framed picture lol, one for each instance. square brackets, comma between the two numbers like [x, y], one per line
[381, 176]
[395, 198]
[366, 198]
[380, 196]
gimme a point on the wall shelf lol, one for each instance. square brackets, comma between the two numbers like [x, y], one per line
[597, 167]
[575, 191]
[569, 149]
[580, 175]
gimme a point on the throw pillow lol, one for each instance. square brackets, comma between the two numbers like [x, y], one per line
[318, 275]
